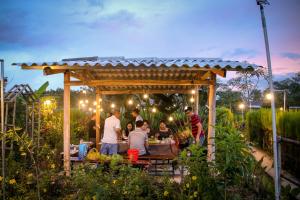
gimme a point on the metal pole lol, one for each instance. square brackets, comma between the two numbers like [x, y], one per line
[275, 150]
[284, 100]
[2, 128]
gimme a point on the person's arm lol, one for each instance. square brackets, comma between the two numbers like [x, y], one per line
[146, 141]
[198, 131]
[118, 129]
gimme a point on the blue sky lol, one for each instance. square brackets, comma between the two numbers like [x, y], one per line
[51, 30]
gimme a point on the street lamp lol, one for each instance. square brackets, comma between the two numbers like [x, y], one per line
[269, 97]
[242, 107]
[261, 4]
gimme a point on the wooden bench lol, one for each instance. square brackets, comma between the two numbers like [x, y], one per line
[158, 161]
[142, 164]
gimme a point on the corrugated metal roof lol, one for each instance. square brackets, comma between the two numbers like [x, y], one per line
[154, 62]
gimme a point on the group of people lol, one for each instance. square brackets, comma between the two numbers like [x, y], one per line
[137, 133]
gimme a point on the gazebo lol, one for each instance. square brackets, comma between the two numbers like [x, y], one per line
[119, 75]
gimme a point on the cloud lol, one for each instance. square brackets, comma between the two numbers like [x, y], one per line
[118, 20]
[242, 52]
[98, 3]
[290, 55]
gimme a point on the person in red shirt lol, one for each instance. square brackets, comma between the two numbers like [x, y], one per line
[197, 129]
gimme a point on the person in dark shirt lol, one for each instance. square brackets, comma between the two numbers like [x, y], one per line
[164, 131]
[92, 129]
[127, 130]
[197, 130]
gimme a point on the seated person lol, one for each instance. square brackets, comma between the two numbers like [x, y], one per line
[138, 139]
[164, 131]
[146, 127]
[127, 130]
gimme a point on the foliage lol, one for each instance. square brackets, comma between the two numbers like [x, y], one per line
[232, 176]
[41, 90]
[292, 86]
[259, 127]
[246, 82]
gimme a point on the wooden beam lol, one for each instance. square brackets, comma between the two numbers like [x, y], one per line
[167, 91]
[97, 121]
[67, 166]
[220, 72]
[49, 71]
[146, 82]
[205, 76]
[211, 120]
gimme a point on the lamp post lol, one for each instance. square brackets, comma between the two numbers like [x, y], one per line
[269, 97]
[261, 4]
[242, 107]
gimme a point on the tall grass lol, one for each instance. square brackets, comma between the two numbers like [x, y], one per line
[259, 126]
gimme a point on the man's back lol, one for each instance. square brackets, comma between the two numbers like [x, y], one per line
[111, 124]
[137, 139]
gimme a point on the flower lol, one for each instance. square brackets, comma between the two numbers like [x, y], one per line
[187, 185]
[194, 178]
[52, 166]
[114, 181]
[1, 178]
[195, 194]
[12, 181]
[166, 193]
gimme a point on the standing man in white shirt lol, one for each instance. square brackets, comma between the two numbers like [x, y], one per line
[136, 114]
[112, 128]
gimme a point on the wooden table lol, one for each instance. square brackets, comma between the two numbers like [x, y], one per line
[154, 149]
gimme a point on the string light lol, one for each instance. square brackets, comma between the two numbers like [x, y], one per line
[47, 102]
[112, 105]
[241, 106]
[90, 109]
[84, 91]
[154, 110]
[94, 110]
[269, 96]
[86, 101]
[171, 118]
[130, 101]
[101, 109]
[192, 99]
[83, 105]
[185, 107]
[193, 92]
[145, 96]
[81, 102]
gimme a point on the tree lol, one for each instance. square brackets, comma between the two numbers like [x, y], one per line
[246, 82]
[226, 97]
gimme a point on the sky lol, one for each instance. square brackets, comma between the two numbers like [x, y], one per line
[50, 30]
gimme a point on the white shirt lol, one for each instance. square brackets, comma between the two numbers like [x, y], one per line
[110, 135]
[138, 118]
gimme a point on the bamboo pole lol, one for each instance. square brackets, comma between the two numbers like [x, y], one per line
[67, 166]
[98, 120]
[211, 120]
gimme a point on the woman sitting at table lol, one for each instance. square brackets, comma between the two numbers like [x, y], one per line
[127, 130]
[164, 131]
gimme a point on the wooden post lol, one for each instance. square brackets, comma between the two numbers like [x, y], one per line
[98, 119]
[211, 120]
[197, 99]
[67, 166]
